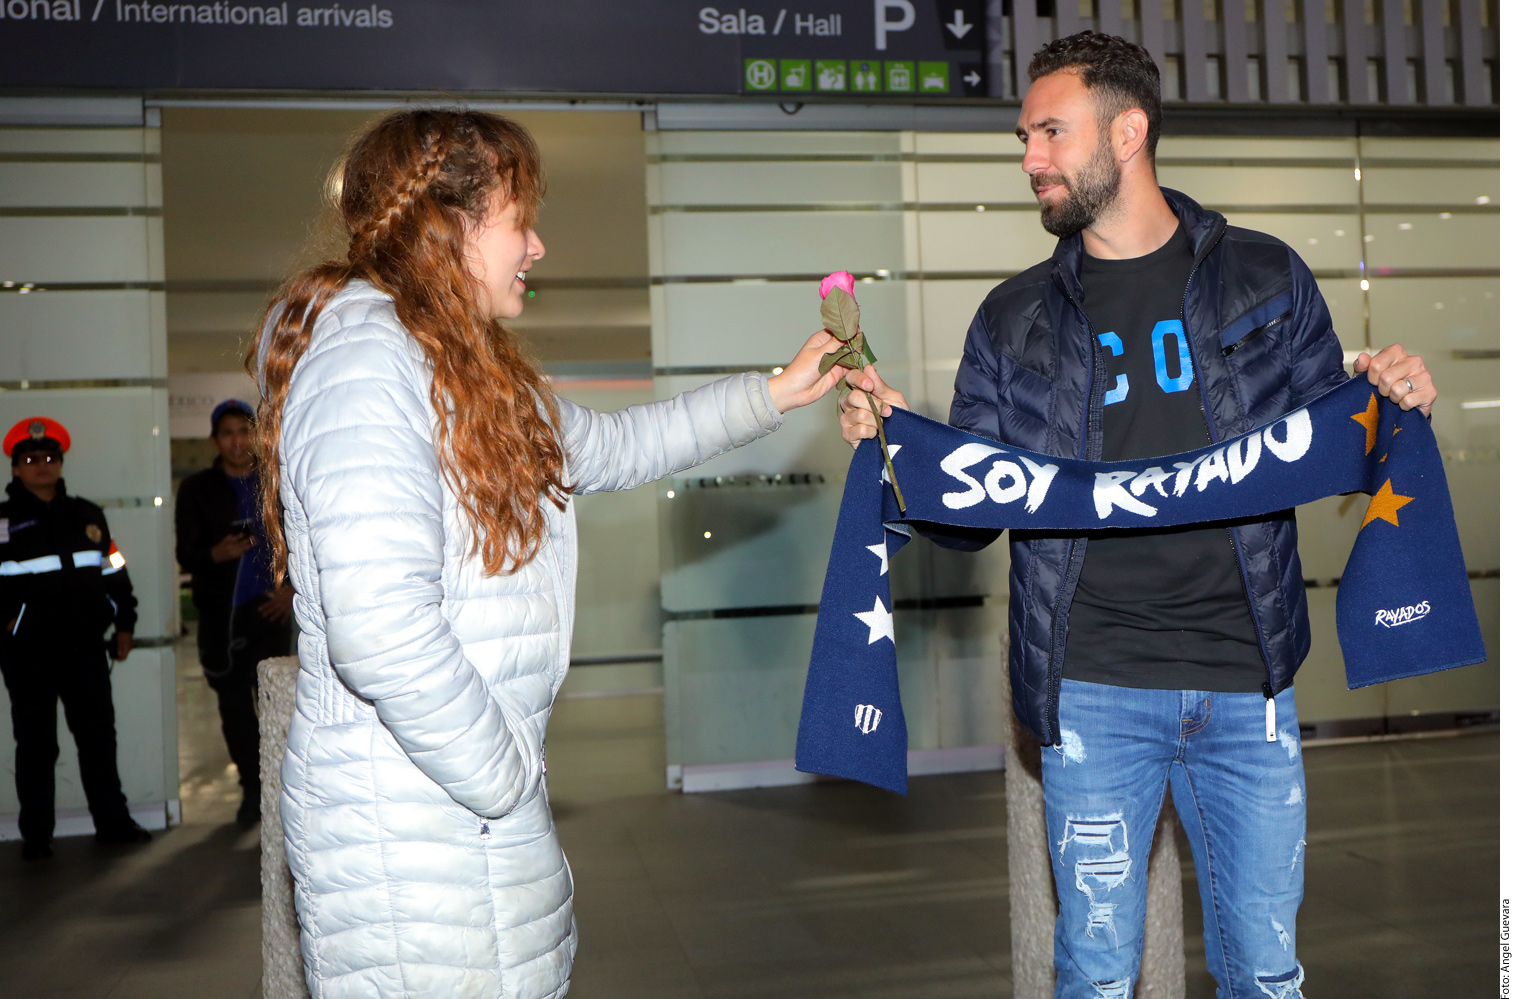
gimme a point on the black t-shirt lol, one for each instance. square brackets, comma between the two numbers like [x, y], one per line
[1163, 608]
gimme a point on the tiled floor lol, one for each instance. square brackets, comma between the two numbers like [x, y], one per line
[831, 890]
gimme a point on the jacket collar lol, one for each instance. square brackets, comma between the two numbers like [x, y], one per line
[25, 499]
[1202, 226]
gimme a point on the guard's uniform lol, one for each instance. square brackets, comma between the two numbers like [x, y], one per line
[62, 583]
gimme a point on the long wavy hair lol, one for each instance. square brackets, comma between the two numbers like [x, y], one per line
[410, 191]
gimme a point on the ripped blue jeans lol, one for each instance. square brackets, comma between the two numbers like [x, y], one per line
[1242, 802]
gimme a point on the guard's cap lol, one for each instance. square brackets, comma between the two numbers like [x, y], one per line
[236, 406]
[36, 433]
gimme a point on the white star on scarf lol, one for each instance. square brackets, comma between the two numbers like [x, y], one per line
[882, 551]
[894, 449]
[879, 621]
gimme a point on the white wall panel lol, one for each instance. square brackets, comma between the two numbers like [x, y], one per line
[617, 597]
[983, 241]
[1451, 313]
[1214, 186]
[72, 141]
[949, 308]
[58, 185]
[77, 249]
[120, 434]
[968, 144]
[765, 324]
[115, 452]
[1432, 149]
[779, 183]
[972, 183]
[717, 243]
[1461, 241]
[809, 441]
[1431, 185]
[1242, 147]
[145, 536]
[78, 334]
[762, 144]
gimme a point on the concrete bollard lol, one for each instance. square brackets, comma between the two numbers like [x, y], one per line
[283, 970]
[1033, 899]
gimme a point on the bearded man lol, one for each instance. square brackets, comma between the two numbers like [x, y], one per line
[1150, 660]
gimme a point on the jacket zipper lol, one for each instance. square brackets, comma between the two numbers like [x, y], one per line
[1228, 351]
[1061, 606]
[1204, 403]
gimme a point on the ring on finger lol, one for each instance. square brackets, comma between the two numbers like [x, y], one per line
[1409, 386]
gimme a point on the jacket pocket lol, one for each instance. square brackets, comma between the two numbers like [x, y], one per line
[1269, 316]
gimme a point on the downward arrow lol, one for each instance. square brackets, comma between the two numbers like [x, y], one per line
[971, 78]
[957, 27]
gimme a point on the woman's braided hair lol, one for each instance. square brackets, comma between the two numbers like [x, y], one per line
[411, 189]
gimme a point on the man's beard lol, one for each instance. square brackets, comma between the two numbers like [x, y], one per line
[1089, 193]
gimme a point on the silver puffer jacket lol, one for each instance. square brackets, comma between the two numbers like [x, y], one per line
[414, 807]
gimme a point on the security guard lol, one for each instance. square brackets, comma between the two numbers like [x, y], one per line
[62, 583]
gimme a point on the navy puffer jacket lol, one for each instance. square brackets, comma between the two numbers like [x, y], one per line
[1262, 344]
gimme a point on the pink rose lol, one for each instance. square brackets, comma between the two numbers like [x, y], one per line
[839, 279]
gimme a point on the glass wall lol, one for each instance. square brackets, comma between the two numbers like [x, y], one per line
[82, 341]
[1400, 233]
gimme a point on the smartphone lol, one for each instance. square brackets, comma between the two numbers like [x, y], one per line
[242, 526]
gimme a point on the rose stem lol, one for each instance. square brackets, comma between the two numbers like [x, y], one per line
[883, 443]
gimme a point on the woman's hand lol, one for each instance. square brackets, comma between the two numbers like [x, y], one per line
[801, 381]
[858, 423]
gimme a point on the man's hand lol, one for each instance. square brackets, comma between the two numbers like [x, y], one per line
[231, 547]
[278, 607]
[123, 645]
[801, 381]
[1400, 376]
[857, 417]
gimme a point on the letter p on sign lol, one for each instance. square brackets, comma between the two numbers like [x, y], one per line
[882, 25]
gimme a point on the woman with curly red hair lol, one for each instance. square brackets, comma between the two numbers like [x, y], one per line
[417, 479]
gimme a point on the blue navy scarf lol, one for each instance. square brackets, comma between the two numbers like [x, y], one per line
[1404, 607]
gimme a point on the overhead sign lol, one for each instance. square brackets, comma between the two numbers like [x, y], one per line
[833, 48]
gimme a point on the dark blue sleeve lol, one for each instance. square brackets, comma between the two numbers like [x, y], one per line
[1317, 364]
[975, 394]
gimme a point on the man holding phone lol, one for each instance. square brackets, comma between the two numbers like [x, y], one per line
[244, 617]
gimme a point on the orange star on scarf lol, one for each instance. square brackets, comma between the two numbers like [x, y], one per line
[1385, 505]
[1369, 420]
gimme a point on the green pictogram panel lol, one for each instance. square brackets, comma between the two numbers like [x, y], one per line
[935, 78]
[866, 76]
[762, 74]
[899, 77]
[794, 74]
[831, 75]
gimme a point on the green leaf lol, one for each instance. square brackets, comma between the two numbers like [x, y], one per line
[840, 315]
[843, 355]
[861, 344]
